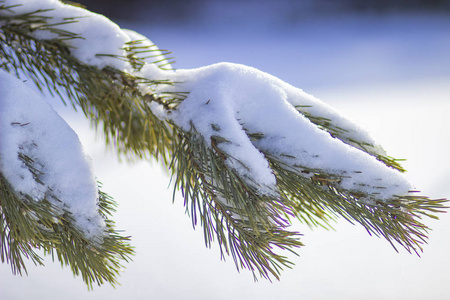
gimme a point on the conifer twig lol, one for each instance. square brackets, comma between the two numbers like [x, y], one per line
[250, 226]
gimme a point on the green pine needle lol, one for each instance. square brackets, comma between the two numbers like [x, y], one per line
[247, 225]
[27, 226]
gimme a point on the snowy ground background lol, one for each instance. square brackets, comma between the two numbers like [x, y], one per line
[390, 73]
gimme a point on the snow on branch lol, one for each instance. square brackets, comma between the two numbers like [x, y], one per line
[61, 171]
[247, 150]
[49, 194]
[255, 113]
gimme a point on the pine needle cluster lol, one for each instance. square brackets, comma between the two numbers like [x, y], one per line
[27, 226]
[249, 226]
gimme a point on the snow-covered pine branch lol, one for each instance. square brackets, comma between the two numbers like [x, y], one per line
[33, 132]
[257, 115]
[49, 195]
[247, 150]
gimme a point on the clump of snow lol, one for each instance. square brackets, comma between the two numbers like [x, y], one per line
[254, 113]
[310, 104]
[97, 34]
[30, 126]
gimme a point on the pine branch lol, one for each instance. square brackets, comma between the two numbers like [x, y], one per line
[247, 225]
[27, 226]
[108, 97]
[317, 198]
[248, 222]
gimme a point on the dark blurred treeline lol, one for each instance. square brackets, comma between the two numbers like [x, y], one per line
[185, 10]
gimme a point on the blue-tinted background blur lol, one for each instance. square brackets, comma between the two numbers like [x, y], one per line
[384, 64]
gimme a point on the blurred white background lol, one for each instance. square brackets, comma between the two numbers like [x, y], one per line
[387, 69]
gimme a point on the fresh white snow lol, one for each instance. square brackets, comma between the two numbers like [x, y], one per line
[98, 35]
[30, 126]
[98, 41]
[232, 101]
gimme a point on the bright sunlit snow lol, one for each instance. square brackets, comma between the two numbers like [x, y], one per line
[30, 126]
[233, 101]
[99, 34]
